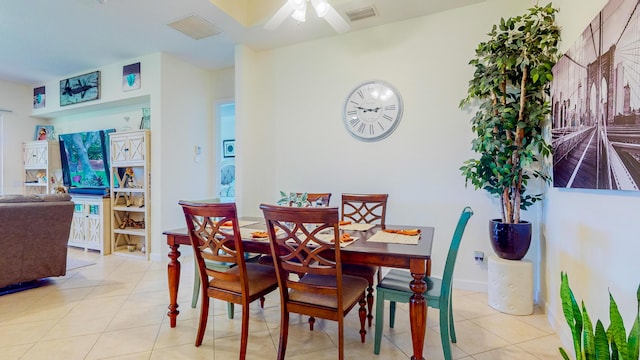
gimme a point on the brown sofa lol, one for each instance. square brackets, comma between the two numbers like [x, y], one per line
[34, 230]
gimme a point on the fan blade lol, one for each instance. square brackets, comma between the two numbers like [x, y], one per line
[336, 21]
[280, 16]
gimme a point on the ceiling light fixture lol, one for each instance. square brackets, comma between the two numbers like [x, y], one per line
[297, 9]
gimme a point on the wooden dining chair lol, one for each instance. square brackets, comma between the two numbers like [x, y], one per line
[394, 287]
[313, 198]
[239, 284]
[301, 241]
[367, 209]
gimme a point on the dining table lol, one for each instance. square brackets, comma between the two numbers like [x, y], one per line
[414, 257]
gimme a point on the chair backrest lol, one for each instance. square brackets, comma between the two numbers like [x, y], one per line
[301, 242]
[449, 265]
[365, 208]
[312, 198]
[215, 236]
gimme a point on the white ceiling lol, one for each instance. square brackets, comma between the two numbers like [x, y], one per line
[42, 40]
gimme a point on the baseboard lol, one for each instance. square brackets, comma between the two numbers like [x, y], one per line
[469, 285]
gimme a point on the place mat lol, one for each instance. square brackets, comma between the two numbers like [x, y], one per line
[246, 233]
[329, 238]
[391, 238]
[241, 223]
[357, 227]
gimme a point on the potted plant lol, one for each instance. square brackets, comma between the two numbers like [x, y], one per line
[510, 86]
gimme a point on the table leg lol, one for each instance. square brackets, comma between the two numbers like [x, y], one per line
[173, 275]
[418, 308]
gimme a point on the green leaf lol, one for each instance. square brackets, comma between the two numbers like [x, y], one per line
[601, 342]
[616, 330]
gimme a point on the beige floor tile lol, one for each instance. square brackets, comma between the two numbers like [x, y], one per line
[40, 311]
[14, 352]
[65, 349]
[25, 333]
[473, 339]
[506, 353]
[104, 306]
[509, 327]
[124, 342]
[185, 352]
[432, 345]
[76, 326]
[117, 309]
[544, 348]
[259, 346]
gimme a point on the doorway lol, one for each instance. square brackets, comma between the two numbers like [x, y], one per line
[226, 158]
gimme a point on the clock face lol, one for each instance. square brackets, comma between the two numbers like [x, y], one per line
[372, 111]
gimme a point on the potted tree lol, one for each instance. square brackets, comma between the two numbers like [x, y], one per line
[510, 87]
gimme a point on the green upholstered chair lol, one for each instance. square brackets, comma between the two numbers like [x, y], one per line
[395, 288]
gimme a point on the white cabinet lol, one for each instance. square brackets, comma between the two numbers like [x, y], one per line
[130, 225]
[41, 166]
[91, 224]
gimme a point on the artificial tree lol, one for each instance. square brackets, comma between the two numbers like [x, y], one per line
[510, 86]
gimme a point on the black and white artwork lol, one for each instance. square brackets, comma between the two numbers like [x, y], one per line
[596, 104]
[80, 88]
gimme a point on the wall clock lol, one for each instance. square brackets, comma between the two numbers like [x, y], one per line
[372, 111]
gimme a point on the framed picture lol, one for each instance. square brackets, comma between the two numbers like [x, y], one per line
[131, 77]
[80, 88]
[229, 148]
[44, 132]
[38, 97]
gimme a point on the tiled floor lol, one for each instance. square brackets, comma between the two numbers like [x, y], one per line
[116, 309]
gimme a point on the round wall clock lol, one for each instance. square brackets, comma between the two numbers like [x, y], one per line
[372, 110]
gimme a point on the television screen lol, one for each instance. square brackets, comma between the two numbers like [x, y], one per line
[85, 159]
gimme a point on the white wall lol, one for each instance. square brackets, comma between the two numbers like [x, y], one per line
[592, 235]
[291, 137]
[18, 127]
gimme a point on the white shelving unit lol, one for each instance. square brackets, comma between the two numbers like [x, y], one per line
[41, 163]
[130, 219]
[91, 224]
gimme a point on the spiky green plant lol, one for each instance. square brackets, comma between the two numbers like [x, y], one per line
[612, 344]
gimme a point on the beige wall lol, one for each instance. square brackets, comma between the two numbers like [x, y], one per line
[16, 128]
[291, 136]
[592, 235]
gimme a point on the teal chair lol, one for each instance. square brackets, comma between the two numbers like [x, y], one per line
[219, 266]
[395, 288]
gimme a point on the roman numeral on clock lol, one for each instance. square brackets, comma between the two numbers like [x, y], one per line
[353, 122]
[390, 107]
[352, 112]
[387, 117]
[361, 127]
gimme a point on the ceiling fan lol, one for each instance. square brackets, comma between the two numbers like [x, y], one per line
[297, 9]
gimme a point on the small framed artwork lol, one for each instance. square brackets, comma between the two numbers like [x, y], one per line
[131, 77]
[38, 97]
[44, 132]
[80, 88]
[229, 148]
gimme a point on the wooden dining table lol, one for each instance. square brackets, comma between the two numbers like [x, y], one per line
[416, 258]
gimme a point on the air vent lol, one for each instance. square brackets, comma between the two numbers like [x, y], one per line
[195, 27]
[362, 13]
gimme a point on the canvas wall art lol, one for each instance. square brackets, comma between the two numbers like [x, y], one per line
[131, 77]
[80, 88]
[596, 104]
[38, 97]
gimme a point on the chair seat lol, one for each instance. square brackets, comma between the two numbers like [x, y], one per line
[352, 289]
[260, 277]
[363, 271]
[399, 280]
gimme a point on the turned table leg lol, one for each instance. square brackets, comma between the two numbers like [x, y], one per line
[418, 309]
[173, 272]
